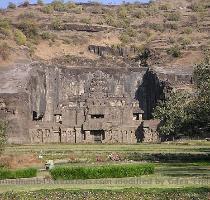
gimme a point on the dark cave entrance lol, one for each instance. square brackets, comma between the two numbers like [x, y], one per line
[98, 135]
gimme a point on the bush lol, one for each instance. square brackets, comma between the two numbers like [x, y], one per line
[2, 132]
[172, 26]
[57, 24]
[165, 6]
[59, 6]
[48, 36]
[25, 3]
[140, 14]
[11, 5]
[185, 41]
[5, 24]
[47, 9]
[20, 38]
[157, 27]
[122, 12]
[26, 15]
[174, 16]
[111, 20]
[21, 173]
[40, 2]
[4, 51]
[131, 32]
[26, 173]
[197, 7]
[6, 174]
[5, 27]
[187, 30]
[174, 51]
[85, 20]
[29, 27]
[125, 38]
[110, 171]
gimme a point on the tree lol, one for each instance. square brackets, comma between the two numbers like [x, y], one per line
[201, 106]
[173, 113]
[184, 113]
[2, 135]
[11, 5]
[40, 2]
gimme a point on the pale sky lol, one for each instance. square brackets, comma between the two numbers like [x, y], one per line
[4, 3]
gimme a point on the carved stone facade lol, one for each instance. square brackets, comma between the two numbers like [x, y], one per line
[83, 104]
[98, 113]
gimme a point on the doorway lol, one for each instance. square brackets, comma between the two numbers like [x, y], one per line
[98, 135]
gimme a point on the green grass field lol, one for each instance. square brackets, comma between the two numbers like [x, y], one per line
[181, 174]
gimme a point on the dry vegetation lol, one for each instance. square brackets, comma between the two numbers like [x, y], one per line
[177, 30]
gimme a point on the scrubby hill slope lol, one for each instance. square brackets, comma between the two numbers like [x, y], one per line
[177, 33]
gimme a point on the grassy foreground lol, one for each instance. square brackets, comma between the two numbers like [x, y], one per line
[126, 194]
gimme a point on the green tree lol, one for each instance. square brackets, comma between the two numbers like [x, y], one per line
[2, 135]
[184, 113]
[40, 2]
[201, 106]
[173, 113]
[11, 5]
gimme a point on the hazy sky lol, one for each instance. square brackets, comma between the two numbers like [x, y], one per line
[4, 3]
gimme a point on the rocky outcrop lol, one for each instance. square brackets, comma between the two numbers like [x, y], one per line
[114, 51]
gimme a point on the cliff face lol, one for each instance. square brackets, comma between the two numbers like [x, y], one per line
[48, 91]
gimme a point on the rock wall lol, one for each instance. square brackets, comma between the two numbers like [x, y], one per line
[61, 102]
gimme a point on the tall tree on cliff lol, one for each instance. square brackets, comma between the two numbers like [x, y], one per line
[2, 135]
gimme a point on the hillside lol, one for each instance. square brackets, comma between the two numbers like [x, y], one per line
[175, 32]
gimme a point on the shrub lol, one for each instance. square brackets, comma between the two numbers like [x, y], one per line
[29, 27]
[5, 27]
[131, 32]
[26, 173]
[40, 2]
[187, 30]
[20, 38]
[85, 20]
[157, 27]
[48, 36]
[110, 171]
[174, 51]
[25, 3]
[172, 26]
[125, 38]
[59, 6]
[122, 12]
[11, 5]
[4, 50]
[57, 24]
[5, 24]
[165, 6]
[140, 14]
[152, 9]
[71, 5]
[111, 20]
[26, 15]
[77, 9]
[175, 16]
[47, 9]
[6, 174]
[21, 173]
[2, 130]
[197, 7]
[185, 41]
